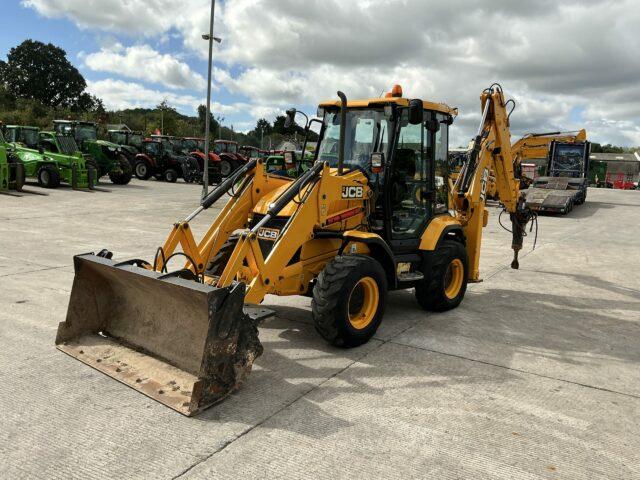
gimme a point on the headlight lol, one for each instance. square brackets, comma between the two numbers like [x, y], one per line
[111, 149]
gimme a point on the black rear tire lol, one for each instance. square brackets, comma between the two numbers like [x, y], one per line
[170, 175]
[436, 292]
[48, 176]
[349, 299]
[124, 173]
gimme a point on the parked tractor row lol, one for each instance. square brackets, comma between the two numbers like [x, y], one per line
[71, 153]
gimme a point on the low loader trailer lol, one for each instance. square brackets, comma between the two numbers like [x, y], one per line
[566, 182]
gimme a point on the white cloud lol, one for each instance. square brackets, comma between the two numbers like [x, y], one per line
[556, 57]
[132, 17]
[144, 63]
[118, 94]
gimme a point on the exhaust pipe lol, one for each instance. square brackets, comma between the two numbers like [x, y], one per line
[185, 344]
[343, 130]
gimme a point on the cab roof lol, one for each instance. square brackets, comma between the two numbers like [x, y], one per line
[393, 97]
[79, 122]
[26, 127]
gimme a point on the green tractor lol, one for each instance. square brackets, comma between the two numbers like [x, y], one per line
[288, 163]
[50, 157]
[105, 157]
[129, 141]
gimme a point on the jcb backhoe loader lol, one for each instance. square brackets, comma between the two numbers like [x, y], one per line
[363, 220]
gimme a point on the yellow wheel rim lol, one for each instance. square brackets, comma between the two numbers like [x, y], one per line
[363, 303]
[454, 278]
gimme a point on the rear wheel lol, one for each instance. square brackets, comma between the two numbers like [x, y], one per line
[444, 286]
[122, 174]
[170, 175]
[142, 170]
[349, 300]
[48, 176]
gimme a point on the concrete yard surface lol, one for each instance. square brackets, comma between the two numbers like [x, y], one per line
[535, 375]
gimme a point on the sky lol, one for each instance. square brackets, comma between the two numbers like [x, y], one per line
[568, 64]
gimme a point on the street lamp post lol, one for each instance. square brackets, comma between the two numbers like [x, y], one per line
[211, 39]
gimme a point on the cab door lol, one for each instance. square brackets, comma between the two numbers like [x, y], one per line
[410, 185]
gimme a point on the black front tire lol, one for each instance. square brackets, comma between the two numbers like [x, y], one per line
[333, 299]
[226, 168]
[435, 293]
[217, 264]
[142, 170]
[170, 175]
[48, 176]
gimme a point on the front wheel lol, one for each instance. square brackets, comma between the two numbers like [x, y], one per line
[170, 175]
[349, 299]
[142, 170]
[445, 284]
[225, 168]
[48, 177]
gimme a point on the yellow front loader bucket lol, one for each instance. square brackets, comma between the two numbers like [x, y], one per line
[183, 343]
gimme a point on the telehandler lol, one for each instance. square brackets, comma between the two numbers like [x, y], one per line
[361, 221]
[49, 157]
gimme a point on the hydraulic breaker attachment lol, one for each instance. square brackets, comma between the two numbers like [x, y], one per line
[183, 343]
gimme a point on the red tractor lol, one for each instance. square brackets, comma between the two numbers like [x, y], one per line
[230, 159]
[194, 147]
[249, 152]
[159, 160]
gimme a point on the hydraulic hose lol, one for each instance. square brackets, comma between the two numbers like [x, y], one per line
[289, 194]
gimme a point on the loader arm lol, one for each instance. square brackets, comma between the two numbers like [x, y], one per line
[308, 202]
[491, 150]
[246, 187]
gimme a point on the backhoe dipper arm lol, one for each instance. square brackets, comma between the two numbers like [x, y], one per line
[536, 145]
[491, 148]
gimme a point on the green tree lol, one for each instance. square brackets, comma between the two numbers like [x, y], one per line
[41, 72]
[213, 123]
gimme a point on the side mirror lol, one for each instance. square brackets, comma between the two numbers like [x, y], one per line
[416, 112]
[432, 125]
[377, 162]
[291, 113]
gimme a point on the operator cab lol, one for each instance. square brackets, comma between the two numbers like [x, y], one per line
[27, 136]
[401, 145]
[81, 131]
